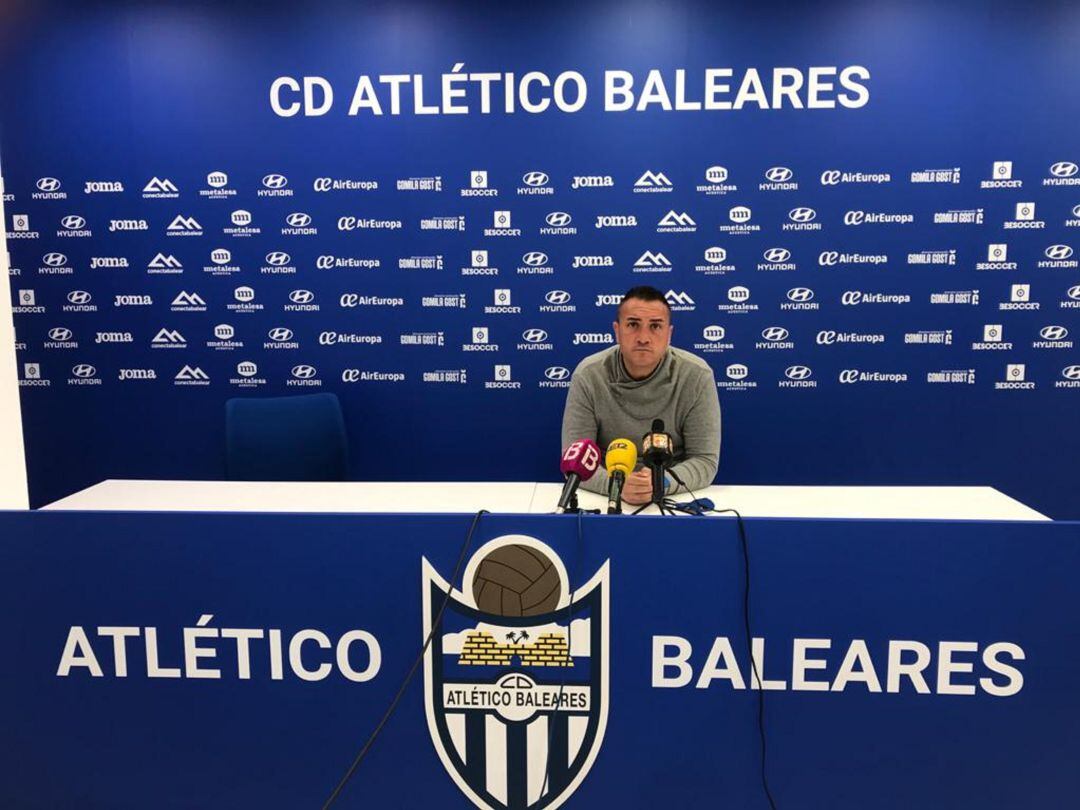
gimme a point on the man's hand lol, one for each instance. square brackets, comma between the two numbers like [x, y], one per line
[638, 487]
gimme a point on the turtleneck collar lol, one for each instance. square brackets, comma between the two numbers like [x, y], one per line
[623, 378]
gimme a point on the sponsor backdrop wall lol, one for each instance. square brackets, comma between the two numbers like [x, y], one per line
[864, 217]
[13, 491]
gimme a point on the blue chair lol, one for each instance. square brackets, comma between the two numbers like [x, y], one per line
[298, 438]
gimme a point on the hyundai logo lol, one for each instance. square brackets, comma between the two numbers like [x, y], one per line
[298, 220]
[84, 371]
[802, 214]
[558, 373]
[1058, 252]
[534, 335]
[777, 255]
[779, 174]
[800, 294]
[535, 179]
[303, 372]
[73, 223]
[1076, 211]
[797, 372]
[1071, 372]
[558, 219]
[78, 297]
[280, 334]
[48, 184]
[278, 258]
[775, 333]
[1074, 292]
[557, 297]
[535, 258]
[301, 296]
[1053, 333]
[60, 334]
[1064, 169]
[54, 259]
[275, 181]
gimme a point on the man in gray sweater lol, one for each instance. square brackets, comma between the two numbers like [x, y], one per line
[618, 392]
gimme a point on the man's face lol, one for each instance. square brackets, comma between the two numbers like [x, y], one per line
[643, 332]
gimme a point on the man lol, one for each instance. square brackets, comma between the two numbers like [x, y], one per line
[616, 393]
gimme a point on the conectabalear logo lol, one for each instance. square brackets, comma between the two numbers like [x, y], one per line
[516, 674]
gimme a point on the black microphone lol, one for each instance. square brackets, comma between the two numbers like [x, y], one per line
[657, 453]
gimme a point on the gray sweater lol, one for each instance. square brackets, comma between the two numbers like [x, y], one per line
[605, 403]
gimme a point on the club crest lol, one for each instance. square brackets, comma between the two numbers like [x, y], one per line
[516, 679]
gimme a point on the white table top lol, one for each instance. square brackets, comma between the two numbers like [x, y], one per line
[929, 503]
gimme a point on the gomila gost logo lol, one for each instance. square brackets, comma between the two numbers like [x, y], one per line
[516, 681]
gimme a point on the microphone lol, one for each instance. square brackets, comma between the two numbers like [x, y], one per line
[657, 451]
[620, 461]
[578, 464]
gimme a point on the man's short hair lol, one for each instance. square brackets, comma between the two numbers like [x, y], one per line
[643, 293]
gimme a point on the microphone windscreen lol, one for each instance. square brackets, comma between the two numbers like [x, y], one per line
[581, 457]
[621, 456]
[657, 425]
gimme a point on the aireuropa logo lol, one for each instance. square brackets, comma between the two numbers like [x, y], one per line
[535, 664]
[775, 333]
[652, 182]
[798, 372]
[278, 258]
[54, 259]
[298, 220]
[535, 258]
[830, 178]
[776, 255]
[802, 214]
[849, 376]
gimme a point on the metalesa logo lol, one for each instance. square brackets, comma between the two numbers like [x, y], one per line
[516, 674]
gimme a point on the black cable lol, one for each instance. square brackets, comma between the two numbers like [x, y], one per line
[746, 622]
[569, 648]
[412, 670]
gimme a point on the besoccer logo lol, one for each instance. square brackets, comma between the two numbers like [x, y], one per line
[516, 672]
